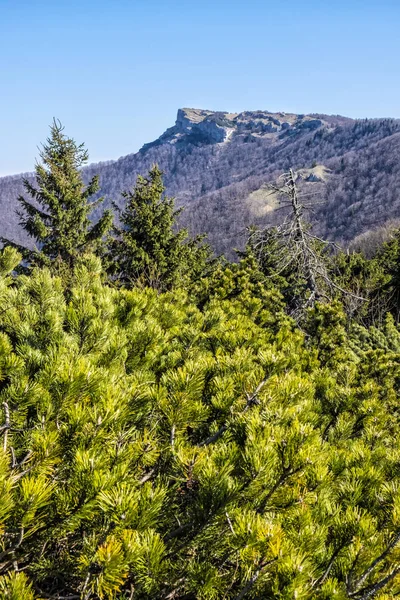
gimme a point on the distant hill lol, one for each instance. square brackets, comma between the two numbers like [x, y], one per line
[216, 164]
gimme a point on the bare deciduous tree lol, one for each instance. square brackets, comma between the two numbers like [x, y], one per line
[296, 249]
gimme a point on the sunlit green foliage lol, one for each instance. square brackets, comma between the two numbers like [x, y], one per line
[193, 429]
[153, 448]
[148, 249]
[57, 213]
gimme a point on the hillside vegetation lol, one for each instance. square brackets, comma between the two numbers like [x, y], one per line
[214, 162]
[179, 427]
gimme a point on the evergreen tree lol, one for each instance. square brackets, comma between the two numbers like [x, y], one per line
[367, 280]
[57, 215]
[388, 259]
[153, 450]
[148, 248]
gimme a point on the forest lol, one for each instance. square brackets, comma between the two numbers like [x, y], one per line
[215, 182]
[178, 426]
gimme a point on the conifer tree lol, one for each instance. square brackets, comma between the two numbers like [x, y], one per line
[368, 281]
[57, 214]
[388, 259]
[148, 248]
[150, 450]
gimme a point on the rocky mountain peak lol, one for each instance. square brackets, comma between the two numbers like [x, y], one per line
[199, 126]
[214, 168]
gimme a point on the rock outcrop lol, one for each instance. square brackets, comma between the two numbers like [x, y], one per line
[217, 165]
[197, 126]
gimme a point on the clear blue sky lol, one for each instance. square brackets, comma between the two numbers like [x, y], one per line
[115, 72]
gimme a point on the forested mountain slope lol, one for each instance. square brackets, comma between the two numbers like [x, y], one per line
[217, 165]
[175, 426]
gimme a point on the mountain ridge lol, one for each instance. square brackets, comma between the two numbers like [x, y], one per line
[214, 162]
[205, 126]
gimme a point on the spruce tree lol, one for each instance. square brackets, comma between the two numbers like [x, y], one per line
[148, 248]
[368, 281]
[388, 259]
[57, 214]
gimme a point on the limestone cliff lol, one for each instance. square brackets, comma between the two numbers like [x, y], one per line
[197, 126]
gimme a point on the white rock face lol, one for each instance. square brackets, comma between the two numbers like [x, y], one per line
[202, 123]
[198, 126]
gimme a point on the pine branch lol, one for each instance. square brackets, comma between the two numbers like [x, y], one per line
[251, 400]
[325, 575]
[177, 532]
[146, 477]
[57, 596]
[370, 591]
[5, 428]
[376, 562]
[213, 438]
[287, 473]
[253, 579]
[17, 544]
[32, 210]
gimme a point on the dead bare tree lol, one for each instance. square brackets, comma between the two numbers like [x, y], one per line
[295, 248]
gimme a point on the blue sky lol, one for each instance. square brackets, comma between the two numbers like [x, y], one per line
[115, 72]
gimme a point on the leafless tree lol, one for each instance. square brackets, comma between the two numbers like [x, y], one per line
[296, 248]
